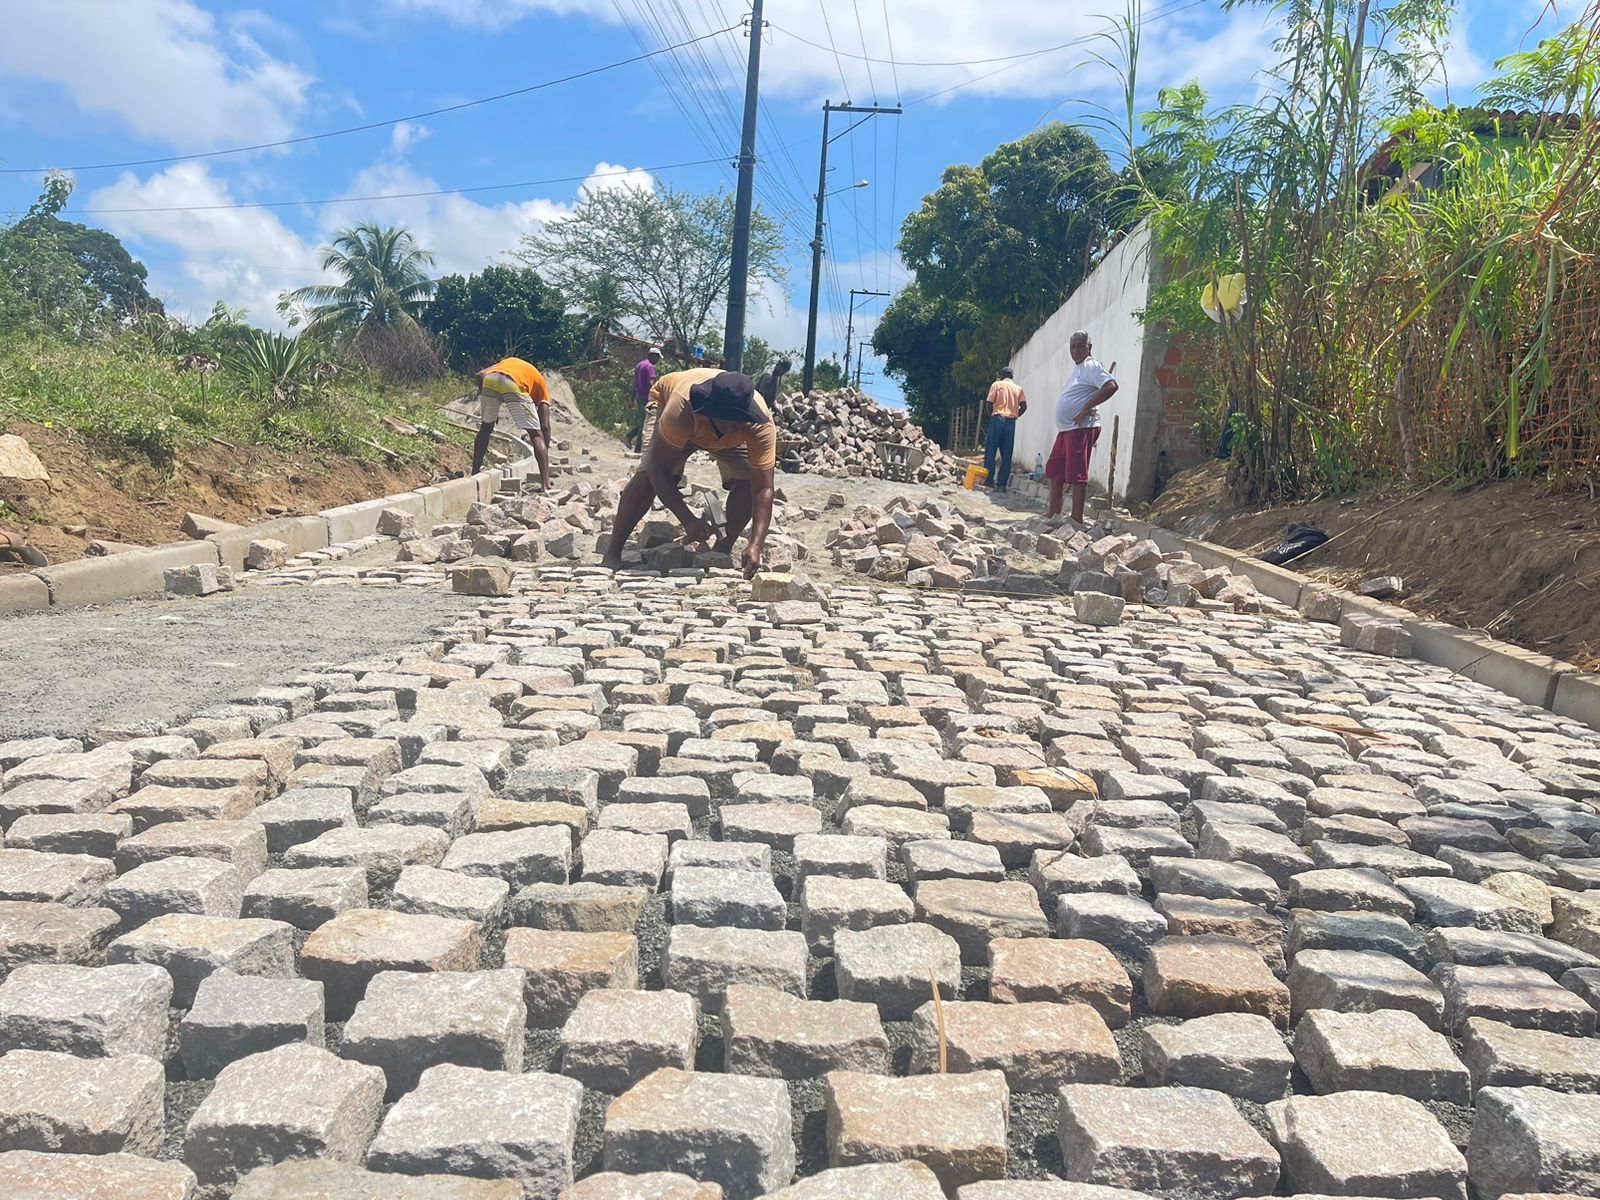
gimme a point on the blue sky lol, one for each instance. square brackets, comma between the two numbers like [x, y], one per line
[87, 82]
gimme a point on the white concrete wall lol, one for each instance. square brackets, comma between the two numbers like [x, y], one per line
[1105, 304]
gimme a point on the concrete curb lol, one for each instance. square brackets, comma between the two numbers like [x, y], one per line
[140, 572]
[1535, 679]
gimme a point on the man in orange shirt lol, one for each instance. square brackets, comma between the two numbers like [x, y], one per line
[721, 413]
[1006, 403]
[519, 386]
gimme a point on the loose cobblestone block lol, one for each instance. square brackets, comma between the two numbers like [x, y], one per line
[839, 855]
[615, 1037]
[829, 904]
[623, 859]
[1060, 972]
[1451, 902]
[98, 834]
[302, 815]
[32, 932]
[1385, 1051]
[348, 951]
[319, 1178]
[31, 1175]
[652, 1185]
[1500, 1055]
[1360, 981]
[77, 880]
[1533, 1139]
[449, 812]
[190, 947]
[706, 961]
[1518, 996]
[432, 892]
[1018, 836]
[58, 1103]
[875, 1181]
[775, 825]
[1055, 875]
[720, 896]
[1163, 1140]
[1241, 1054]
[559, 968]
[769, 1032]
[305, 898]
[896, 825]
[179, 884]
[485, 1124]
[974, 913]
[732, 1130]
[1196, 916]
[87, 1011]
[955, 1125]
[1376, 932]
[1124, 923]
[741, 856]
[235, 1016]
[671, 821]
[896, 967]
[379, 850]
[1037, 1045]
[579, 907]
[1197, 976]
[1365, 1143]
[1346, 890]
[540, 854]
[951, 860]
[1212, 879]
[295, 1102]
[240, 844]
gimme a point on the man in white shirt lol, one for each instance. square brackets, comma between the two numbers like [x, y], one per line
[1077, 426]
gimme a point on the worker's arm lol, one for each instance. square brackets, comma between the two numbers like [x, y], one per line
[661, 457]
[1107, 390]
[1022, 402]
[761, 489]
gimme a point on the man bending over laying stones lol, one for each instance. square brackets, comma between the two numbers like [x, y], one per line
[521, 388]
[718, 412]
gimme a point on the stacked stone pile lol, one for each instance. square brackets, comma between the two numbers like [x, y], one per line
[574, 526]
[843, 430]
[642, 887]
[934, 545]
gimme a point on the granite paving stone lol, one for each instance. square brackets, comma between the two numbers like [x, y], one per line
[1362, 1142]
[956, 1125]
[59, 1103]
[1241, 1054]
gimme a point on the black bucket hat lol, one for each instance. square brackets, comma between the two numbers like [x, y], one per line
[729, 397]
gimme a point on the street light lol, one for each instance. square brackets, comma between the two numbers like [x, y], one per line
[850, 187]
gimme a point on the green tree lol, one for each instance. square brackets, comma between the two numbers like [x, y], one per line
[61, 276]
[758, 355]
[384, 284]
[499, 311]
[828, 375]
[919, 338]
[992, 251]
[667, 254]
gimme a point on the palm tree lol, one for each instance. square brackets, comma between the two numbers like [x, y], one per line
[604, 309]
[385, 284]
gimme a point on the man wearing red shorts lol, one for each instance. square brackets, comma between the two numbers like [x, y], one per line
[1078, 426]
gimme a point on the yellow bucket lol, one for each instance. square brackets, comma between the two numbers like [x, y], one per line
[975, 476]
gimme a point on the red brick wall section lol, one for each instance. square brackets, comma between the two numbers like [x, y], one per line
[1175, 435]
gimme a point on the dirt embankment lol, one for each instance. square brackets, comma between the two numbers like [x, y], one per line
[1510, 558]
[91, 496]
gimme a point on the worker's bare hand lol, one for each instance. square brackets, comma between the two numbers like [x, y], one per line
[699, 530]
[750, 561]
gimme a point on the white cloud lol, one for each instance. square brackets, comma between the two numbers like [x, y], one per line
[245, 256]
[498, 14]
[163, 68]
[406, 135]
[610, 175]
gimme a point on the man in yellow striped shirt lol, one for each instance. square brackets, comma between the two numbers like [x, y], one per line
[519, 386]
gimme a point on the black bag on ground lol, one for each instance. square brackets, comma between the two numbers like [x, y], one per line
[1301, 539]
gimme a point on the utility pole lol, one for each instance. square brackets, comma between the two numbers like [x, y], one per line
[861, 357]
[739, 277]
[828, 109]
[850, 325]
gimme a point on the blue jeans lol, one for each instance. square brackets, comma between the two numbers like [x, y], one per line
[1001, 437]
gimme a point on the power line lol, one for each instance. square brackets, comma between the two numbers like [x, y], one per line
[487, 187]
[370, 125]
[822, 8]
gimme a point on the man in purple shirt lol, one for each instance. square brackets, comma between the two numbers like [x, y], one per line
[644, 378]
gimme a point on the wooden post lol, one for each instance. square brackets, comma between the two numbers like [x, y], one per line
[1111, 476]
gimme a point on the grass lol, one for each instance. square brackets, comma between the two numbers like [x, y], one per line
[606, 403]
[126, 398]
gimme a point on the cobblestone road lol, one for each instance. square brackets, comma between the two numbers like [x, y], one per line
[648, 887]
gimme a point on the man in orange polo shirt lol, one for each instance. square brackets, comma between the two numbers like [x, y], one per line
[721, 413]
[1006, 403]
[520, 387]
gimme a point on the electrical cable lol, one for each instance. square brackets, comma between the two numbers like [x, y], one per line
[369, 125]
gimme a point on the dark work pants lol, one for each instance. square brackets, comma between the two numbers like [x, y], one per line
[1001, 437]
